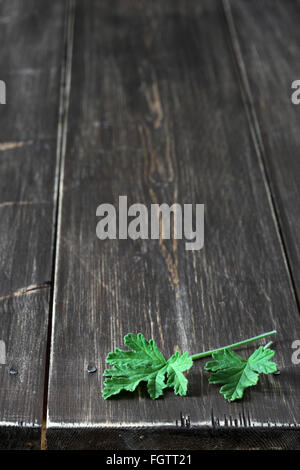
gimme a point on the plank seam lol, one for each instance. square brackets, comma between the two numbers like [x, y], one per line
[65, 87]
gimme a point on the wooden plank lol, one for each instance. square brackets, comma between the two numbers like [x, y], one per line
[156, 114]
[31, 38]
[268, 38]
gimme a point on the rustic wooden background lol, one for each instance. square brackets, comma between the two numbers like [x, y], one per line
[184, 101]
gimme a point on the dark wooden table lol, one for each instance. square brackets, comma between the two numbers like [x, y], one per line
[162, 101]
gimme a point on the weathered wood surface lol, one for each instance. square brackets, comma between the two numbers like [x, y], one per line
[268, 38]
[156, 114]
[31, 38]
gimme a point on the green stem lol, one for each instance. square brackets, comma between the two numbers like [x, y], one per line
[234, 345]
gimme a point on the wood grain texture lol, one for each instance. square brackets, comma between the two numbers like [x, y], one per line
[268, 38]
[31, 38]
[156, 114]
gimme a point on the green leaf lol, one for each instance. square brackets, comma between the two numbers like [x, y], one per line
[145, 363]
[235, 374]
[176, 365]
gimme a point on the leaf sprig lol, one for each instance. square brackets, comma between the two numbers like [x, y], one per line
[145, 363]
